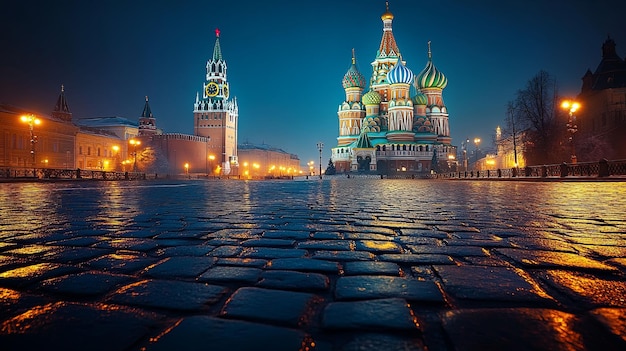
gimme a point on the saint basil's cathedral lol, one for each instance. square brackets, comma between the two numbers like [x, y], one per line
[400, 123]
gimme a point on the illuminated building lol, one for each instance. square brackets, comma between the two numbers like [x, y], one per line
[602, 119]
[264, 160]
[215, 114]
[400, 123]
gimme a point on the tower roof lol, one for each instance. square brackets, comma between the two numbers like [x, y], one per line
[611, 72]
[363, 142]
[388, 46]
[147, 113]
[217, 50]
[61, 105]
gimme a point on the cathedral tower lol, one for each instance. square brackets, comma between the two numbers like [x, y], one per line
[215, 114]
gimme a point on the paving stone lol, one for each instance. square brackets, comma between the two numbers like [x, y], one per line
[380, 314]
[457, 228]
[522, 329]
[269, 253]
[378, 341]
[286, 234]
[417, 258]
[22, 276]
[274, 306]
[416, 240]
[186, 250]
[371, 268]
[291, 280]
[327, 235]
[489, 284]
[424, 233]
[339, 245]
[343, 255]
[589, 289]
[121, 262]
[378, 246]
[86, 283]
[133, 244]
[614, 319]
[454, 251]
[226, 251]
[72, 326]
[374, 287]
[202, 332]
[551, 259]
[304, 265]
[168, 294]
[266, 242]
[231, 274]
[180, 267]
[245, 262]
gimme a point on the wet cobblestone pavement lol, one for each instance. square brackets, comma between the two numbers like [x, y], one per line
[345, 264]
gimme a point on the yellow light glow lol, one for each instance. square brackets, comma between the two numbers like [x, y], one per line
[211, 157]
[116, 148]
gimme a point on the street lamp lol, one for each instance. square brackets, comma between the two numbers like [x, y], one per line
[187, 169]
[212, 158]
[320, 147]
[572, 128]
[311, 163]
[134, 144]
[32, 121]
[476, 142]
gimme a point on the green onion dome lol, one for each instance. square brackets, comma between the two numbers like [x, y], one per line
[431, 77]
[371, 98]
[419, 99]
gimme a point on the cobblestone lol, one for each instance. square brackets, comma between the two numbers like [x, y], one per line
[313, 265]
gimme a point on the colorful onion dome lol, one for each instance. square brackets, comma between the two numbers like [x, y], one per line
[353, 78]
[419, 99]
[400, 74]
[371, 98]
[430, 76]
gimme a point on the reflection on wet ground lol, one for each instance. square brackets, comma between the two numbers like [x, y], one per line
[344, 264]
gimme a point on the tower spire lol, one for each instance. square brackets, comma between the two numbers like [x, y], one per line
[217, 50]
[430, 54]
[61, 109]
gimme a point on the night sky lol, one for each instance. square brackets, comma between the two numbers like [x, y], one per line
[286, 58]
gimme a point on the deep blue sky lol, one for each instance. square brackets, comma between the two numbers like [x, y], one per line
[286, 58]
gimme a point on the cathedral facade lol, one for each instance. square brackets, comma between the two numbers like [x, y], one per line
[401, 123]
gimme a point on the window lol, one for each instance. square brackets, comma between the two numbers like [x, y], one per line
[89, 150]
[80, 150]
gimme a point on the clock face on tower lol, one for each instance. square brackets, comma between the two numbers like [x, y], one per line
[225, 90]
[211, 89]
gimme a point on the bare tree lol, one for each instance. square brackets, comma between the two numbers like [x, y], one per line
[535, 111]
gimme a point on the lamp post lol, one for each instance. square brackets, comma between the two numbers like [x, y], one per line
[320, 147]
[212, 158]
[476, 142]
[572, 128]
[134, 144]
[187, 169]
[32, 121]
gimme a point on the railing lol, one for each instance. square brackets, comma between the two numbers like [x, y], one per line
[601, 169]
[50, 173]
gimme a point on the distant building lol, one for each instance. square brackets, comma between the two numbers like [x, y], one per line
[264, 160]
[401, 123]
[602, 116]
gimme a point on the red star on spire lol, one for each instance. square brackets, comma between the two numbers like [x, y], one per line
[217, 32]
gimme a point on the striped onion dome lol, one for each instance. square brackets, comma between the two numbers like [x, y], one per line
[353, 78]
[419, 99]
[430, 76]
[400, 74]
[371, 98]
